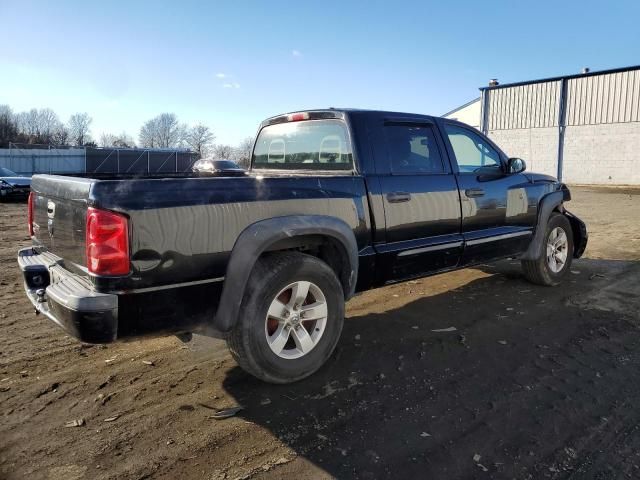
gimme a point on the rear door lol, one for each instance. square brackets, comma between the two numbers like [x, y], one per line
[495, 206]
[420, 199]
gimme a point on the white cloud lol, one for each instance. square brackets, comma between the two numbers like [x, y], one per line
[221, 75]
[231, 85]
[296, 53]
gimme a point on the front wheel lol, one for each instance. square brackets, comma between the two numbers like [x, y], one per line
[290, 319]
[554, 261]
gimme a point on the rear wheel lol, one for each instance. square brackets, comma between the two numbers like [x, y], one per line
[554, 261]
[290, 319]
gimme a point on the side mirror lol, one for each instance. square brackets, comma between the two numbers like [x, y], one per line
[516, 165]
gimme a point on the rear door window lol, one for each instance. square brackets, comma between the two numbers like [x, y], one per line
[305, 145]
[412, 149]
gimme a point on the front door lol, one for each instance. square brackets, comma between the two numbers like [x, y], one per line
[495, 219]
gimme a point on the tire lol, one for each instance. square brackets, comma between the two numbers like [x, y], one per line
[547, 269]
[258, 336]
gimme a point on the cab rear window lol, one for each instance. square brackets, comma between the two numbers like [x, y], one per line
[305, 145]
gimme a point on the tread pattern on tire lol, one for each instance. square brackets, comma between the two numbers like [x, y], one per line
[536, 270]
[234, 338]
[532, 272]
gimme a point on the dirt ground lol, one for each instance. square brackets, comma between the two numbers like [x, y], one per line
[534, 382]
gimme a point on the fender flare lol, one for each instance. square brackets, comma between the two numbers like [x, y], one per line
[547, 204]
[256, 239]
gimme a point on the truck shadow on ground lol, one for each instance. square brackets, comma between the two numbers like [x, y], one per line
[533, 382]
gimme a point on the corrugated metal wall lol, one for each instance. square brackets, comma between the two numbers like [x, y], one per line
[524, 106]
[591, 100]
[589, 135]
[612, 98]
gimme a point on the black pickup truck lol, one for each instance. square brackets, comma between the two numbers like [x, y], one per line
[336, 202]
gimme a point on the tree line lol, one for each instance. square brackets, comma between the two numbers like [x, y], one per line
[44, 127]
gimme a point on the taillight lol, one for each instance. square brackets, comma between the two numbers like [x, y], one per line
[30, 213]
[107, 243]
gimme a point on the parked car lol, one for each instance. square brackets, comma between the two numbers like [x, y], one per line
[13, 185]
[218, 167]
[336, 202]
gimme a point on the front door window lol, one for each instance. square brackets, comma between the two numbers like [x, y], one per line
[473, 154]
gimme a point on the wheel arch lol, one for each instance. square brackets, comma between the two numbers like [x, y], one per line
[331, 239]
[549, 203]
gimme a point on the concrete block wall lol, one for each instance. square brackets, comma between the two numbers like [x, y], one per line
[605, 154]
[536, 146]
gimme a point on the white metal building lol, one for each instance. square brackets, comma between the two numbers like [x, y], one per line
[584, 129]
[469, 113]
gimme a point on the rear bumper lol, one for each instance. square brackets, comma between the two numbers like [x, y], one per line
[67, 299]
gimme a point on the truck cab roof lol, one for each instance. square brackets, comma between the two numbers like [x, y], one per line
[327, 113]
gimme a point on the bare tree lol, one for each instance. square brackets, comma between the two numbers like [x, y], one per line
[118, 141]
[6, 112]
[38, 126]
[163, 131]
[125, 141]
[28, 122]
[48, 122]
[107, 140]
[8, 126]
[199, 138]
[79, 124]
[170, 132]
[148, 134]
[223, 151]
[243, 152]
[60, 135]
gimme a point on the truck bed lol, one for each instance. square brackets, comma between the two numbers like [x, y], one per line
[183, 228]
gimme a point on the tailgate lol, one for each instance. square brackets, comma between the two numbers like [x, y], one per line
[59, 216]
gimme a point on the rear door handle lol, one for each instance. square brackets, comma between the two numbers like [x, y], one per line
[474, 192]
[398, 197]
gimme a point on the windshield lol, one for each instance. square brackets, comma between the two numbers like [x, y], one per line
[226, 165]
[307, 145]
[5, 172]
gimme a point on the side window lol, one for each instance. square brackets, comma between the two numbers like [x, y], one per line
[471, 151]
[412, 149]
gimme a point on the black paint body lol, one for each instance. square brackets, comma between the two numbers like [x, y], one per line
[384, 227]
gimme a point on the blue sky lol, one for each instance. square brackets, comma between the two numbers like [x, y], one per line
[230, 64]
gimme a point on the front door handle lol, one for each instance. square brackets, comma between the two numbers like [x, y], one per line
[474, 192]
[398, 197]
